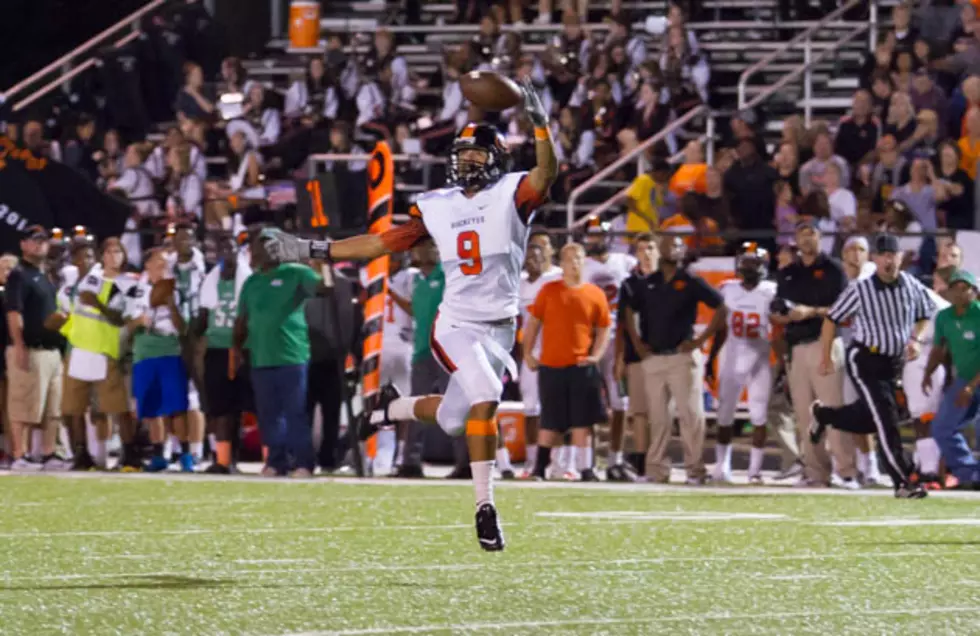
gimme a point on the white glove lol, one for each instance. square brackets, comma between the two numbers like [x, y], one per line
[283, 247]
[532, 105]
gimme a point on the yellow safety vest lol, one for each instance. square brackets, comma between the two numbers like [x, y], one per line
[88, 329]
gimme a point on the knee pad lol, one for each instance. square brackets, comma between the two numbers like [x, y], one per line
[452, 417]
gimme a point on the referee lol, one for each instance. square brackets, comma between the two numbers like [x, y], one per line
[890, 311]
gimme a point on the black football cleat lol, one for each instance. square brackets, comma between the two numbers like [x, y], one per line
[588, 475]
[620, 473]
[488, 530]
[910, 491]
[408, 471]
[817, 426]
[365, 427]
[83, 462]
[508, 475]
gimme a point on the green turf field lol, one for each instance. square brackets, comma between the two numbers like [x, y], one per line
[116, 555]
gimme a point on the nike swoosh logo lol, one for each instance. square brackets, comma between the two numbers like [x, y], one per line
[488, 541]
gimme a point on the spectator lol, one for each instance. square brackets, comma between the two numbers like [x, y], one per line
[958, 207]
[955, 336]
[649, 198]
[877, 63]
[573, 319]
[159, 376]
[970, 102]
[573, 145]
[137, 186]
[786, 163]
[904, 71]
[264, 119]
[691, 176]
[314, 98]
[904, 33]
[748, 185]
[649, 115]
[922, 194]
[926, 95]
[32, 139]
[331, 340]
[272, 326]
[814, 208]
[922, 51]
[111, 159]
[965, 61]
[79, 151]
[786, 216]
[90, 316]
[686, 73]
[34, 369]
[427, 375]
[384, 54]
[812, 172]
[889, 172]
[381, 102]
[806, 290]
[186, 189]
[901, 117]
[857, 133]
[233, 78]
[671, 356]
[925, 139]
[969, 144]
[702, 233]
[191, 101]
[842, 202]
[713, 204]
[900, 221]
[881, 95]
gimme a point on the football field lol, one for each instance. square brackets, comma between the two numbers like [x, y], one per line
[97, 554]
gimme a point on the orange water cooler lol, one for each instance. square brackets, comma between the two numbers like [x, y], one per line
[510, 418]
[304, 24]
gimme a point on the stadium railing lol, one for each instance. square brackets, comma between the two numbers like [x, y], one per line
[805, 39]
[71, 63]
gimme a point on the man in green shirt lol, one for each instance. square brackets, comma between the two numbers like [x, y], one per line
[428, 375]
[188, 271]
[227, 389]
[957, 334]
[271, 324]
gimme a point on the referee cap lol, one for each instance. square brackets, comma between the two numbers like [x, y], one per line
[886, 243]
[963, 276]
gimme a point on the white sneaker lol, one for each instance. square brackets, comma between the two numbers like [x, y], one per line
[55, 464]
[24, 466]
[571, 475]
[849, 484]
[755, 479]
[836, 480]
[721, 477]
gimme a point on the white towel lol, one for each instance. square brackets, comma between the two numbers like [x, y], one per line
[209, 288]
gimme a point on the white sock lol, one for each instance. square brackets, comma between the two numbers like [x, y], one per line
[100, 453]
[928, 452]
[615, 458]
[385, 451]
[401, 409]
[531, 457]
[583, 457]
[483, 481]
[197, 450]
[723, 457]
[503, 459]
[168, 447]
[755, 460]
[400, 455]
[564, 460]
[872, 465]
[862, 462]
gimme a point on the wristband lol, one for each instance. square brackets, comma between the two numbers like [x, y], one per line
[542, 133]
[320, 250]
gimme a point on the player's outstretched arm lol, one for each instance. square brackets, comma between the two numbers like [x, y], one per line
[287, 248]
[546, 170]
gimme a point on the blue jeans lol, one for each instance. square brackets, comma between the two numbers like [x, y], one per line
[947, 429]
[280, 405]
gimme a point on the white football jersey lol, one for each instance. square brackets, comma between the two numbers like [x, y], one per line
[529, 291]
[609, 276]
[398, 324]
[748, 312]
[481, 242]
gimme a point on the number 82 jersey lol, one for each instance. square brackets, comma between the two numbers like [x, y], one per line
[748, 313]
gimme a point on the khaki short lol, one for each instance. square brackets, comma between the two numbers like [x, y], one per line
[34, 395]
[635, 389]
[111, 394]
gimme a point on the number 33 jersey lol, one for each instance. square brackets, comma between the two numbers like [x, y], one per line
[748, 321]
[481, 242]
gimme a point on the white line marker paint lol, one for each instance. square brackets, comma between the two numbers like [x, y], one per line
[636, 515]
[796, 577]
[606, 622]
[274, 561]
[896, 523]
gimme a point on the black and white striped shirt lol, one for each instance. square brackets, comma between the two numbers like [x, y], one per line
[884, 313]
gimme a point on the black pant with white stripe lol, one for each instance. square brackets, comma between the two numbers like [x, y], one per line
[876, 410]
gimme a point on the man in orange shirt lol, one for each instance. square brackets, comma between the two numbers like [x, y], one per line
[573, 319]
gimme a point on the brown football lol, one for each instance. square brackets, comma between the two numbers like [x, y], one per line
[490, 91]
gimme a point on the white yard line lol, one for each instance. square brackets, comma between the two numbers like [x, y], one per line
[461, 567]
[896, 523]
[653, 515]
[722, 617]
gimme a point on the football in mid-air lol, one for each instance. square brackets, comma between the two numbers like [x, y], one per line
[490, 91]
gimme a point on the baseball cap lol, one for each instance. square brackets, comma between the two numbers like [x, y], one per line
[36, 232]
[886, 243]
[963, 276]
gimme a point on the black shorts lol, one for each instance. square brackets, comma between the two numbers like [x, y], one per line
[570, 397]
[222, 396]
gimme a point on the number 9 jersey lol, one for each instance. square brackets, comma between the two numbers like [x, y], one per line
[481, 242]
